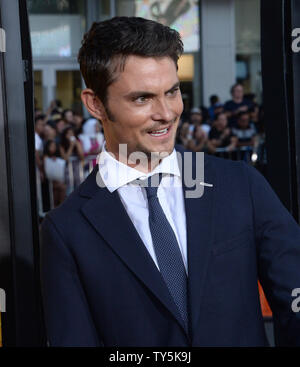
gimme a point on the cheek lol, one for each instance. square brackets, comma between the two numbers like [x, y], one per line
[128, 130]
[135, 119]
[129, 117]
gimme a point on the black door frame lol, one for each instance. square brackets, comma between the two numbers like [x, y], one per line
[19, 271]
[281, 82]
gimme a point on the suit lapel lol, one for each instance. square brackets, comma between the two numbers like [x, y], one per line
[109, 218]
[199, 222]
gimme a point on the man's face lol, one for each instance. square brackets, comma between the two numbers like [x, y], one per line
[196, 118]
[221, 122]
[238, 92]
[243, 121]
[143, 106]
[39, 126]
[60, 125]
[69, 116]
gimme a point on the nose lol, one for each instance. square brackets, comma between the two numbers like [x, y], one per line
[162, 111]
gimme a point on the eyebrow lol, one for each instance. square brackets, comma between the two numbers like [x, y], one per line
[141, 93]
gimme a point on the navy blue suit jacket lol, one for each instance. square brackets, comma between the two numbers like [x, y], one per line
[101, 287]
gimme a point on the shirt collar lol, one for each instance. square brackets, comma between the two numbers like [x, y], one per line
[116, 174]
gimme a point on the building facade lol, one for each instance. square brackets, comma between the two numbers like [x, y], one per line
[221, 40]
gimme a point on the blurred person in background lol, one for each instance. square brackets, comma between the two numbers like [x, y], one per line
[69, 145]
[71, 151]
[55, 171]
[38, 112]
[92, 140]
[183, 134]
[54, 110]
[39, 146]
[39, 130]
[78, 122]
[196, 119]
[198, 142]
[237, 104]
[220, 135]
[256, 118]
[68, 116]
[60, 125]
[49, 131]
[215, 106]
[245, 131]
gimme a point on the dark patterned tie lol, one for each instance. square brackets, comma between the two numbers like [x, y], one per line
[167, 250]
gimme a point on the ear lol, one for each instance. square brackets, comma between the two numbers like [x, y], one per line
[93, 104]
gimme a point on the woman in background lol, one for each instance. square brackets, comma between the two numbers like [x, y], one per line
[71, 151]
[55, 172]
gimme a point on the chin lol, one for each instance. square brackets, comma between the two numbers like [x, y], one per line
[168, 148]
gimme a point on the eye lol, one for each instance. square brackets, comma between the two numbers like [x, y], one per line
[173, 92]
[141, 99]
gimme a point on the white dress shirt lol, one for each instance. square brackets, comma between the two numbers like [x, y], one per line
[118, 176]
[38, 142]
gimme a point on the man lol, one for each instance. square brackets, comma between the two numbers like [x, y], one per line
[215, 107]
[194, 126]
[126, 263]
[237, 104]
[220, 135]
[196, 119]
[245, 130]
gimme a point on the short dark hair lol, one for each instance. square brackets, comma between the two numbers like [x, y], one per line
[234, 86]
[241, 114]
[38, 118]
[217, 115]
[213, 99]
[47, 148]
[107, 44]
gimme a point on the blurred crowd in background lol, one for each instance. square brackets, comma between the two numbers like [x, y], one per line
[67, 145]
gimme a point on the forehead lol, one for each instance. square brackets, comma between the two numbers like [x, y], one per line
[146, 73]
[222, 119]
[238, 87]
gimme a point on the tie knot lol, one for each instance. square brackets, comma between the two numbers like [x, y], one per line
[151, 185]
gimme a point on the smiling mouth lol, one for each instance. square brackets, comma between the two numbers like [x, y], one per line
[161, 132]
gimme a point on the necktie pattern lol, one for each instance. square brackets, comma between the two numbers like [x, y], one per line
[167, 250]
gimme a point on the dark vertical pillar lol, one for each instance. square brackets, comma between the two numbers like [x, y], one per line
[19, 265]
[295, 23]
[279, 85]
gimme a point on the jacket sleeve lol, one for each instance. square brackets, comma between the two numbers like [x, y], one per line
[278, 255]
[67, 316]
